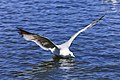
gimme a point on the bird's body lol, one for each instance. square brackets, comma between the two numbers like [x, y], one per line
[57, 50]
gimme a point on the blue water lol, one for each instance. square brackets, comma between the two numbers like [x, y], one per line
[97, 50]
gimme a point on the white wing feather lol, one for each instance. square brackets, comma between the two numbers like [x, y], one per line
[69, 42]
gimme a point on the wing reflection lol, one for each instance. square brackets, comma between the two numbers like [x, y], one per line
[52, 68]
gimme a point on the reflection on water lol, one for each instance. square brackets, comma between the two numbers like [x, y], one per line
[48, 69]
[113, 8]
[113, 1]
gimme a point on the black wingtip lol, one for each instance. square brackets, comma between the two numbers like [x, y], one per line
[101, 17]
[21, 31]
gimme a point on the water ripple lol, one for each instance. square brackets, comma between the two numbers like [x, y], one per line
[96, 50]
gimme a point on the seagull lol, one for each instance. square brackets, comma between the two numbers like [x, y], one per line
[62, 50]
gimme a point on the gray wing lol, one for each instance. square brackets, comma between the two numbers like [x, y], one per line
[43, 42]
[69, 42]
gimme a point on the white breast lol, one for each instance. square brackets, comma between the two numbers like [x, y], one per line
[64, 52]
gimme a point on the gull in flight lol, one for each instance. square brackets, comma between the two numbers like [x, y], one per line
[57, 50]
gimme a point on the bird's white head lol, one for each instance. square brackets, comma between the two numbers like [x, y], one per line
[65, 52]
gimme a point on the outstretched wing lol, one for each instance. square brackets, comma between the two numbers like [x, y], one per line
[68, 43]
[43, 42]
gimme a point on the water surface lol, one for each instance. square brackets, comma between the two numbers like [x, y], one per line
[97, 50]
